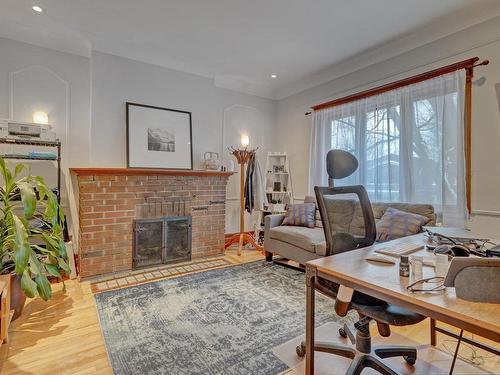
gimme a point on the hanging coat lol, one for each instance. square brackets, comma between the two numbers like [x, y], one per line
[259, 188]
[249, 197]
[255, 194]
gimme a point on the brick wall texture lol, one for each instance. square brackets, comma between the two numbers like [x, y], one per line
[108, 205]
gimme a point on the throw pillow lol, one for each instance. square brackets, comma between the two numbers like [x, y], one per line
[312, 199]
[300, 215]
[396, 224]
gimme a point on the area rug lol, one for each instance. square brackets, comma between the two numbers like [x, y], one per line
[224, 321]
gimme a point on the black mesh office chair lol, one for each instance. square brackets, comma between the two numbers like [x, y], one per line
[340, 207]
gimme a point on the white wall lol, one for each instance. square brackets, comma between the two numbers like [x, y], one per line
[35, 78]
[116, 80]
[482, 40]
[85, 99]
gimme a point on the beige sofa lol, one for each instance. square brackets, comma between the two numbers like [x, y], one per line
[302, 244]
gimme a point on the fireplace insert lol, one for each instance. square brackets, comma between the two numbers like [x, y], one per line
[161, 240]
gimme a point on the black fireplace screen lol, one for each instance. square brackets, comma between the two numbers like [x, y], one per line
[161, 240]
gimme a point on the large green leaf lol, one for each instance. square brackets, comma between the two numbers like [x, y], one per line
[22, 248]
[28, 285]
[44, 250]
[28, 198]
[43, 287]
[42, 188]
[35, 264]
[18, 170]
[7, 176]
[62, 249]
[62, 264]
[51, 242]
[52, 269]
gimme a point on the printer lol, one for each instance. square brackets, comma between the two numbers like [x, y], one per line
[17, 130]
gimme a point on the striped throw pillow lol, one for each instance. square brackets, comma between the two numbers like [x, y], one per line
[301, 215]
[396, 224]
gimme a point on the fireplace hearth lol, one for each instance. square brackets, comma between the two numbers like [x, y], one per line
[161, 240]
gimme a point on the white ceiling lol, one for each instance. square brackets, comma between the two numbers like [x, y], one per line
[240, 43]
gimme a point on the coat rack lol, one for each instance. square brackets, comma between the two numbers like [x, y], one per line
[242, 156]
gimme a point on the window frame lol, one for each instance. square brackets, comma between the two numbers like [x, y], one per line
[469, 66]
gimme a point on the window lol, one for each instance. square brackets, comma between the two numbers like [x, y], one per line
[409, 143]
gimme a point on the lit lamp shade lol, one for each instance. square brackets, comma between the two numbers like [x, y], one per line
[40, 117]
[245, 140]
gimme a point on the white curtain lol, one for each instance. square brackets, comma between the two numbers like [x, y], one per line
[409, 143]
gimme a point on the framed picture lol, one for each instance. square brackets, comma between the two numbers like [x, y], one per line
[158, 137]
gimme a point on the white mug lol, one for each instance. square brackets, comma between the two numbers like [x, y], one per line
[416, 267]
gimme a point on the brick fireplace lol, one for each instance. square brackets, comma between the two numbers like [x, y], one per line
[110, 199]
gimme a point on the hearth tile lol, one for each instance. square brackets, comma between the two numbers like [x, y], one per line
[131, 279]
[112, 284]
[101, 286]
[148, 276]
[140, 278]
[157, 274]
[122, 282]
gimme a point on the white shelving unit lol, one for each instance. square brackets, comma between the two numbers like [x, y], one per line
[278, 189]
[278, 182]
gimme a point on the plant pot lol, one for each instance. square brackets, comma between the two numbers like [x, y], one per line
[17, 296]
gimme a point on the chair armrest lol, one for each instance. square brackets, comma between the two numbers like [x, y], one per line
[271, 221]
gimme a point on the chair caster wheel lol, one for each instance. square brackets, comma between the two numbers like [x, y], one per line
[410, 360]
[342, 332]
[301, 349]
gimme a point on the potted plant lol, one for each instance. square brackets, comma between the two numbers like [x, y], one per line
[31, 237]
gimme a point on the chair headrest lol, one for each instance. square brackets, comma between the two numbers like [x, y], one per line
[340, 164]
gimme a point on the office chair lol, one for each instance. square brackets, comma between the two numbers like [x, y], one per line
[340, 237]
[475, 279]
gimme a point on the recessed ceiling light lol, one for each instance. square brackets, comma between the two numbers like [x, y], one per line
[36, 8]
[273, 76]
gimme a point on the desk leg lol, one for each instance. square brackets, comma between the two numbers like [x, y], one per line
[433, 332]
[310, 289]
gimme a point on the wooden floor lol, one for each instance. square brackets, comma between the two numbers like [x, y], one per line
[63, 336]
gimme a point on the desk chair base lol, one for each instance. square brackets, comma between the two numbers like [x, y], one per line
[362, 354]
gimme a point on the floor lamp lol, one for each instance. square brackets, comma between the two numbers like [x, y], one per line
[242, 156]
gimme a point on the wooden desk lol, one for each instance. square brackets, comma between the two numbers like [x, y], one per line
[383, 281]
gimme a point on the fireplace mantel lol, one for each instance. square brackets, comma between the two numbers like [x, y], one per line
[146, 171]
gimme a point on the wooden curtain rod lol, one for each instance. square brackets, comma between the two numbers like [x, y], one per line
[465, 64]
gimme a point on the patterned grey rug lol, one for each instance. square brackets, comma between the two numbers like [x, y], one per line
[224, 321]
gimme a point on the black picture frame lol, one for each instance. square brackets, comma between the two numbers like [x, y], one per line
[129, 126]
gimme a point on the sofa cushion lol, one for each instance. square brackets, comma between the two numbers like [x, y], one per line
[396, 224]
[303, 237]
[300, 215]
